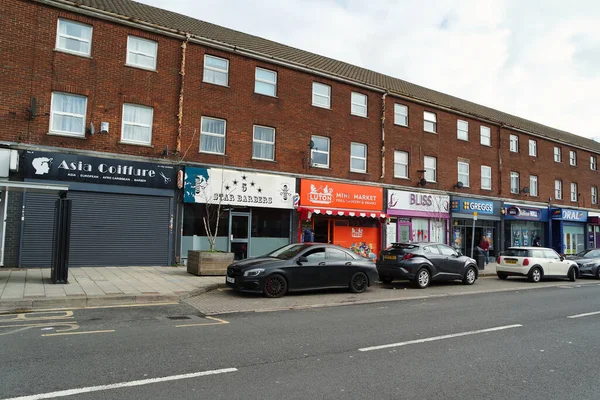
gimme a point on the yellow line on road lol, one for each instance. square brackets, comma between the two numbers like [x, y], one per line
[219, 322]
[77, 333]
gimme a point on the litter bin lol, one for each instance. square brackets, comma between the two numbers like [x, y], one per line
[480, 258]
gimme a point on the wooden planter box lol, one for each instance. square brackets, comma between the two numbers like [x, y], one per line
[204, 263]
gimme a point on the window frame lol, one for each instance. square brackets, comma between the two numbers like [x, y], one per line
[397, 152]
[467, 183]
[315, 150]
[593, 163]
[514, 174]
[155, 56]
[488, 168]
[52, 114]
[534, 148]
[434, 170]
[558, 189]
[224, 135]
[488, 136]
[464, 131]
[328, 97]
[123, 123]
[594, 195]
[425, 121]
[257, 79]
[533, 183]
[364, 146]
[205, 67]
[254, 140]
[396, 114]
[514, 139]
[353, 103]
[74, 52]
[574, 195]
[572, 158]
[557, 154]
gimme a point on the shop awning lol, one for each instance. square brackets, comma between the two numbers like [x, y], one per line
[343, 213]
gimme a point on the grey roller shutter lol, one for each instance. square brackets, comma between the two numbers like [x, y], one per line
[36, 248]
[106, 230]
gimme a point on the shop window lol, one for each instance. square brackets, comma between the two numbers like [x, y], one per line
[193, 220]
[270, 223]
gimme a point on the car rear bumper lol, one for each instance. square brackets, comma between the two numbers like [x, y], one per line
[394, 272]
[512, 269]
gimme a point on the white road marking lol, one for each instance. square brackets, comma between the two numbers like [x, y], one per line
[219, 322]
[434, 338]
[76, 333]
[584, 315]
[71, 392]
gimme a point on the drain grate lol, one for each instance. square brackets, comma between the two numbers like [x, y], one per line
[178, 317]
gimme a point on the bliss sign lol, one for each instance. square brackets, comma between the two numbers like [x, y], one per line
[412, 201]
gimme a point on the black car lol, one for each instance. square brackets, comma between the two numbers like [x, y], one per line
[588, 262]
[302, 266]
[423, 262]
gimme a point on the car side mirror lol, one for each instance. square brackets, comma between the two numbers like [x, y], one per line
[562, 258]
[301, 260]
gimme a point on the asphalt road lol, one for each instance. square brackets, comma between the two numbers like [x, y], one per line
[508, 345]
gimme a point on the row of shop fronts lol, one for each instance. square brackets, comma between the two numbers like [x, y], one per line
[130, 213]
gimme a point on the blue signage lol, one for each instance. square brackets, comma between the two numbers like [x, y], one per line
[514, 212]
[472, 205]
[565, 214]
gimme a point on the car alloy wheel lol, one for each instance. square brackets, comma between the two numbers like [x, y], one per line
[470, 276]
[572, 274]
[535, 275]
[275, 286]
[423, 278]
[359, 282]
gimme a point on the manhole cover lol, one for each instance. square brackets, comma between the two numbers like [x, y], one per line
[178, 317]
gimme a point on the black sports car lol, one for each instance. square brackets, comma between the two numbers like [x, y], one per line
[302, 266]
[423, 262]
[588, 262]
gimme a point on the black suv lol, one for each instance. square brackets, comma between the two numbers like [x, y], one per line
[423, 262]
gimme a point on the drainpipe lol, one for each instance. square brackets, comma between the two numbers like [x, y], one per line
[500, 159]
[383, 135]
[180, 114]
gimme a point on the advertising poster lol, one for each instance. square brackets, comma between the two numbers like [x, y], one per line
[456, 238]
[525, 237]
[516, 237]
[489, 236]
[362, 240]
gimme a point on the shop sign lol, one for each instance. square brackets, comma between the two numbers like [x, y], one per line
[525, 213]
[79, 168]
[414, 201]
[565, 214]
[472, 205]
[238, 188]
[340, 195]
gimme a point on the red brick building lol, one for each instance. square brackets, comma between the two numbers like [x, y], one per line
[121, 81]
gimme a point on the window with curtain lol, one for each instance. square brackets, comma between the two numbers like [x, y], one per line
[486, 177]
[463, 173]
[265, 82]
[216, 70]
[430, 165]
[400, 164]
[358, 157]
[137, 124]
[263, 145]
[212, 135]
[141, 52]
[533, 185]
[67, 114]
[429, 122]
[74, 37]
[514, 182]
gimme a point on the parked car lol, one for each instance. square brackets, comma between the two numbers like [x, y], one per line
[302, 266]
[588, 262]
[535, 263]
[423, 262]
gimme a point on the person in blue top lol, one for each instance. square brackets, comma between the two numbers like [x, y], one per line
[308, 236]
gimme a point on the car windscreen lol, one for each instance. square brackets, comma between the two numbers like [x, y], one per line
[516, 253]
[287, 252]
[592, 253]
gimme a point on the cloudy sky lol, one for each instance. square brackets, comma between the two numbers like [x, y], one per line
[538, 62]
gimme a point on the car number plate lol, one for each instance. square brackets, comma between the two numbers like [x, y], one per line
[510, 261]
[389, 257]
[230, 280]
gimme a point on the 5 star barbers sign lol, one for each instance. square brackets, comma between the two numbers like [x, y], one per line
[238, 188]
[78, 168]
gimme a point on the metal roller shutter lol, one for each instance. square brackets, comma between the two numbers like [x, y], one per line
[106, 230]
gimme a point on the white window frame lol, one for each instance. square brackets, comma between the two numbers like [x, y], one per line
[462, 134]
[573, 158]
[353, 100]
[594, 194]
[52, 113]
[224, 136]
[432, 120]
[154, 56]
[266, 82]
[533, 185]
[59, 35]
[123, 123]
[209, 68]
[487, 175]
[265, 142]
[558, 192]
[593, 163]
[353, 157]
[557, 154]
[399, 114]
[468, 174]
[487, 135]
[514, 143]
[430, 169]
[316, 150]
[515, 176]
[396, 153]
[532, 148]
[574, 192]
[319, 95]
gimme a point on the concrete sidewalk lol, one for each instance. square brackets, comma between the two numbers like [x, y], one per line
[31, 288]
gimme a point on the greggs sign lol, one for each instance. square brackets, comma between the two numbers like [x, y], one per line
[340, 195]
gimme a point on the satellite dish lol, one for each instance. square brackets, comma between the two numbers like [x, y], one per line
[459, 185]
[525, 190]
[32, 108]
[423, 182]
[92, 130]
[311, 144]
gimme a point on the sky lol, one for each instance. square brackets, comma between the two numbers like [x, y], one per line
[539, 60]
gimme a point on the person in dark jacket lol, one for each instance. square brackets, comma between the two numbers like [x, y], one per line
[536, 242]
[308, 236]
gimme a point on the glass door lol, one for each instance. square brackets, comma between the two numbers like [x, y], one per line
[404, 234]
[239, 228]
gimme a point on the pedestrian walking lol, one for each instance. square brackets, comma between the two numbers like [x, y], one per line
[484, 247]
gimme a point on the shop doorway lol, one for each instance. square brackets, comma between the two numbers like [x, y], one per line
[239, 224]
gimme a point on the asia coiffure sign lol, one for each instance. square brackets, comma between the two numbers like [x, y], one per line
[79, 168]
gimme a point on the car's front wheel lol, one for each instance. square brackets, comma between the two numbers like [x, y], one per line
[572, 274]
[535, 275]
[470, 276]
[422, 278]
[359, 282]
[275, 286]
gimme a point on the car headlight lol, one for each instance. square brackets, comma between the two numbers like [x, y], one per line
[254, 272]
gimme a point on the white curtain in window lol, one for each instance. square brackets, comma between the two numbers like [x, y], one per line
[212, 138]
[141, 52]
[74, 37]
[63, 104]
[420, 229]
[264, 143]
[137, 123]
